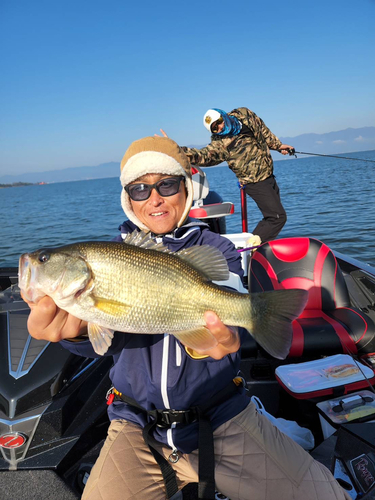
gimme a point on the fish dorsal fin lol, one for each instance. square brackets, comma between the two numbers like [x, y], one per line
[206, 259]
[144, 240]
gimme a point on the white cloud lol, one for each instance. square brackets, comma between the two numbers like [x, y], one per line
[360, 139]
[339, 141]
[318, 142]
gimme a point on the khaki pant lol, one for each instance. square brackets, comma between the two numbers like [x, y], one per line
[254, 461]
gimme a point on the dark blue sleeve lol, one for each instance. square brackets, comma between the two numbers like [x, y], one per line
[243, 333]
[84, 347]
[126, 227]
[117, 238]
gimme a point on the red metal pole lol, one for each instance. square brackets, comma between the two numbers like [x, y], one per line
[243, 210]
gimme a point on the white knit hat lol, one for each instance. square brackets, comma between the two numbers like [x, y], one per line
[210, 117]
[154, 155]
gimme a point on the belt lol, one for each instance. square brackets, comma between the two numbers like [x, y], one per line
[165, 418]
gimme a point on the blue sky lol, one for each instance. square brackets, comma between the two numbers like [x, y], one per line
[80, 80]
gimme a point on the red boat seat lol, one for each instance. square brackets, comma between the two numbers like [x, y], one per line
[212, 210]
[329, 324]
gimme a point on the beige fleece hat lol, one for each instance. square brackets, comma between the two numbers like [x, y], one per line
[154, 155]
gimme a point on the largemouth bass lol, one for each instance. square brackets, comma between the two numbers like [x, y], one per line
[139, 286]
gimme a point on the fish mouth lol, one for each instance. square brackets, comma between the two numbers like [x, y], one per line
[27, 278]
[23, 271]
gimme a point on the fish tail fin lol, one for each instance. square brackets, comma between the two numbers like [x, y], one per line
[272, 316]
[100, 337]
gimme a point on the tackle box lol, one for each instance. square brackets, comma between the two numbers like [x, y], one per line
[331, 376]
[356, 407]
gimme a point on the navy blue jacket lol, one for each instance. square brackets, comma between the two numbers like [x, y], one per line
[158, 372]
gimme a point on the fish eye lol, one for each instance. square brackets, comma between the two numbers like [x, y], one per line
[43, 257]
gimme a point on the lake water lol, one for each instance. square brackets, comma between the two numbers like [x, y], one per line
[326, 198]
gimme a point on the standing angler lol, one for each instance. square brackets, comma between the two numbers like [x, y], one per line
[242, 140]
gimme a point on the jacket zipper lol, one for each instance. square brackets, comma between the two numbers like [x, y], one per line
[164, 389]
[178, 354]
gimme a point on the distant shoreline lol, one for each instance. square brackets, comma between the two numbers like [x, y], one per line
[18, 184]
[106, 170]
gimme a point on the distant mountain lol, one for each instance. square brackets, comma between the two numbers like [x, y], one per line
[350, 140]
[102, 171]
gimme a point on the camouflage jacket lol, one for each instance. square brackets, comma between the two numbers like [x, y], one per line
[247, 154]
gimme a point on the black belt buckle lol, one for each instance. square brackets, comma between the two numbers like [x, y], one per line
[169, 417]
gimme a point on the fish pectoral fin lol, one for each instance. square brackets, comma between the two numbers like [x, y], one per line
[111, 306]
[100, 337]
[198, 339]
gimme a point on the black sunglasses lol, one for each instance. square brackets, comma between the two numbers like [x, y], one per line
[215, 125]
[165, 187]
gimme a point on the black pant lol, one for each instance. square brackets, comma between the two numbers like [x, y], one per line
[267, 196]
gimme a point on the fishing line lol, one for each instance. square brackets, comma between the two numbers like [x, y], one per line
[247, 248]
[292, 152]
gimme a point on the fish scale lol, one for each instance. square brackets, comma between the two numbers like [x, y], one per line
[139, 286]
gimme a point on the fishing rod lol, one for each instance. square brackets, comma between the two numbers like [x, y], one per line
[292, 152]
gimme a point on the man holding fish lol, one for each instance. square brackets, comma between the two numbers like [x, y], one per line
[169, 387]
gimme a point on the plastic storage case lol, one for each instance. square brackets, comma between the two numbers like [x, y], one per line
[331, 376]
[356, 407]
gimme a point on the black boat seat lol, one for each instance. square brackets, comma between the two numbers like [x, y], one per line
[329, 324]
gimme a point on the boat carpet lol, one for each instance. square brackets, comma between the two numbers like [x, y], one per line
[34, 485]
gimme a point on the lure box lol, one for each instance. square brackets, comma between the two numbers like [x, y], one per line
[332, 376]
[356, 407]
